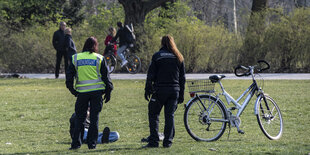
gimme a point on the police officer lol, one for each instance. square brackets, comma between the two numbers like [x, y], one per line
[92, 81]
[165, 82]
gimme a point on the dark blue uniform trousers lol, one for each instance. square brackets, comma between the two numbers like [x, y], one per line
[59, 56]
[85, 100]
[169, 101]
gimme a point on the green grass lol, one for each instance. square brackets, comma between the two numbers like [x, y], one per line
[34, 119]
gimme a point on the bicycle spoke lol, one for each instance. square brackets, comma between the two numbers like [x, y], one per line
[200, 107]
[208, 110]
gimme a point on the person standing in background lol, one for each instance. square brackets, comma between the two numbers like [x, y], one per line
[69, 44]
[58, 43]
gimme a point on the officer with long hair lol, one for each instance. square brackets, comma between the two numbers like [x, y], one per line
[92, 81]
[165, 88]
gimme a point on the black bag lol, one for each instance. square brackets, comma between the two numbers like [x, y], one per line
[130, 36]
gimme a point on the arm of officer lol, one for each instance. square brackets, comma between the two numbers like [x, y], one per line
[151, 76]
[106, 76]
[71, 72]
[182, 83]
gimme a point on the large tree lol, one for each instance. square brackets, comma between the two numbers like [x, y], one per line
[135, 13]
[136, 10]
[257, 18]
[255, 29]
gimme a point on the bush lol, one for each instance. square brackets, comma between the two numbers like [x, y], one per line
[287, 43]
[28, 52]
[283, 41]
[205, 48]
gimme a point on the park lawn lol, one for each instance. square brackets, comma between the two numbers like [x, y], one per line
[34, 119]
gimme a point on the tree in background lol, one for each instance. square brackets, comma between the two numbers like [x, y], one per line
[135, 13]
[74, 12]
[283, 39]
[136, 10]
[19, 14]
[255, 29]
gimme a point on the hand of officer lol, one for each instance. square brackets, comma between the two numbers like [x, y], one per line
[180, 99]
[107, 96]
[74, 92]
[147, 95]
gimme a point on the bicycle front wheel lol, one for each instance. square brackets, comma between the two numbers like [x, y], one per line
[269, 118]
[205, 119]
[134, 64]
[111, 62]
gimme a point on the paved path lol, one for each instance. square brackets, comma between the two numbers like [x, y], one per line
[271, 76]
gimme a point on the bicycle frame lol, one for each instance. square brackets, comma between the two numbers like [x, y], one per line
[125, 53]
[241, 107]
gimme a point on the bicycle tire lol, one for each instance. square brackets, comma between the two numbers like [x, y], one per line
[111, 62]
[196, 120]
[269, 118]
[134, 64]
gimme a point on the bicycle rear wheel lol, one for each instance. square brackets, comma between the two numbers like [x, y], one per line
[269, 118]
[111, 62]
[205, 119]
[134, 64]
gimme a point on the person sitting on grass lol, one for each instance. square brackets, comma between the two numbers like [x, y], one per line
[106, 136]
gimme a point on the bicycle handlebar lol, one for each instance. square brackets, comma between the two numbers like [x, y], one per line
[264, 62]
[248, 69]
[241, 67]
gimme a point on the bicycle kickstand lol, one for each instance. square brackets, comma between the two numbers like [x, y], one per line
[239, 130]
[228, 131]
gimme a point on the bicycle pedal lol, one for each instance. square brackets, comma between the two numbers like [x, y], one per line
[232, 108]
[241, 131]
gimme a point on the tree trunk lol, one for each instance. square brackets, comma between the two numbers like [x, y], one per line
[259, 5]
[255, 28]
[136, 10]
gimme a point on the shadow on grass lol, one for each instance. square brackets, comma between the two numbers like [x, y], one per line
[98, 150]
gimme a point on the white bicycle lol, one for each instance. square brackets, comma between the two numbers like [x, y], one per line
[206, 115]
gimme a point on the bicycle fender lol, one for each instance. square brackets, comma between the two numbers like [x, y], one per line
[189, 101]
[256, 103]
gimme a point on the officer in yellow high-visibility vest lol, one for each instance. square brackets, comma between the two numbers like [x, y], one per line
[92, 81]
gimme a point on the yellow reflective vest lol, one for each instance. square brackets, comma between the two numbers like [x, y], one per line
[88, 76]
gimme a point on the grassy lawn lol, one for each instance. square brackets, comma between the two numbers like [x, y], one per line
[34, 119]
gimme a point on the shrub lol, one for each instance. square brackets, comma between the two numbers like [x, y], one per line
[283, 41]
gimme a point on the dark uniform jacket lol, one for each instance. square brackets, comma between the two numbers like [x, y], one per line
[69, 45]
[58, 40]
[165, 73]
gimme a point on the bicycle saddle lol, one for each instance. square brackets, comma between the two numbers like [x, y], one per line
[216, 78]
